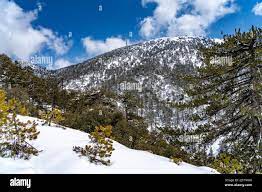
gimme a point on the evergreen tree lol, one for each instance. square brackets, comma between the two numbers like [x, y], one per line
[101, 147]
[55, 116]
[134, 129]
[14, 134]
[227, 94]
[226, 164]
[3, 108]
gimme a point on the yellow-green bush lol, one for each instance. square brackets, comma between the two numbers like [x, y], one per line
[101, 147]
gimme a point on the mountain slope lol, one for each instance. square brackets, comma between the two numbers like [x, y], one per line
[58, 157]
[150, 70]
[156, 57]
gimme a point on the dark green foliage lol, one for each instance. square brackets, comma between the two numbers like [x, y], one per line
[227, 164]
[33, 91]
[227, 93]
[88, 110]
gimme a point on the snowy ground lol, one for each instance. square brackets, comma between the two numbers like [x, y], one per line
[58, 157]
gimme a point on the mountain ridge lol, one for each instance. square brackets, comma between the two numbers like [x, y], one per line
[153, 66]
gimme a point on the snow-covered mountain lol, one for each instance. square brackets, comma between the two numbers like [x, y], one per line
[156, 59]
[57, 156]
[150, 69]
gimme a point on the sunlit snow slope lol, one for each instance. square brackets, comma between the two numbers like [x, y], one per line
[58, 157]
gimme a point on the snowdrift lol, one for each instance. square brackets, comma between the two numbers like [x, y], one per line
[57, 157]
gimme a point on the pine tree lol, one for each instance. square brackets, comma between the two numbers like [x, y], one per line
[14, 134]
[3, 108]
[55, 116]
[135, 128]
[226, 164]
[226, 93]
[101, 147]
[176, 160]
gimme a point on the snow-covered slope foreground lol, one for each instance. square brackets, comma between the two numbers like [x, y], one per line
[58, 157]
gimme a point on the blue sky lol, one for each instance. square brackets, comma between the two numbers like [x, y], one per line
[73, 30]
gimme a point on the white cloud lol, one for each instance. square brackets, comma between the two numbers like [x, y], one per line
[184, 17]
[56, 43]
[164, 13]
[191, 25]
[18, 38]
[149, 28]
[96, 47]
[257, 9]
[60, 63]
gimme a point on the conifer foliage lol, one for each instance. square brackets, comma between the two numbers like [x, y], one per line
[3, 108]
[225, 163]
[55, 116]
[14, 134]
[226, 95]
[101, 147]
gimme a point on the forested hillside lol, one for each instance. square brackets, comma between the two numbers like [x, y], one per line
[188, 99]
